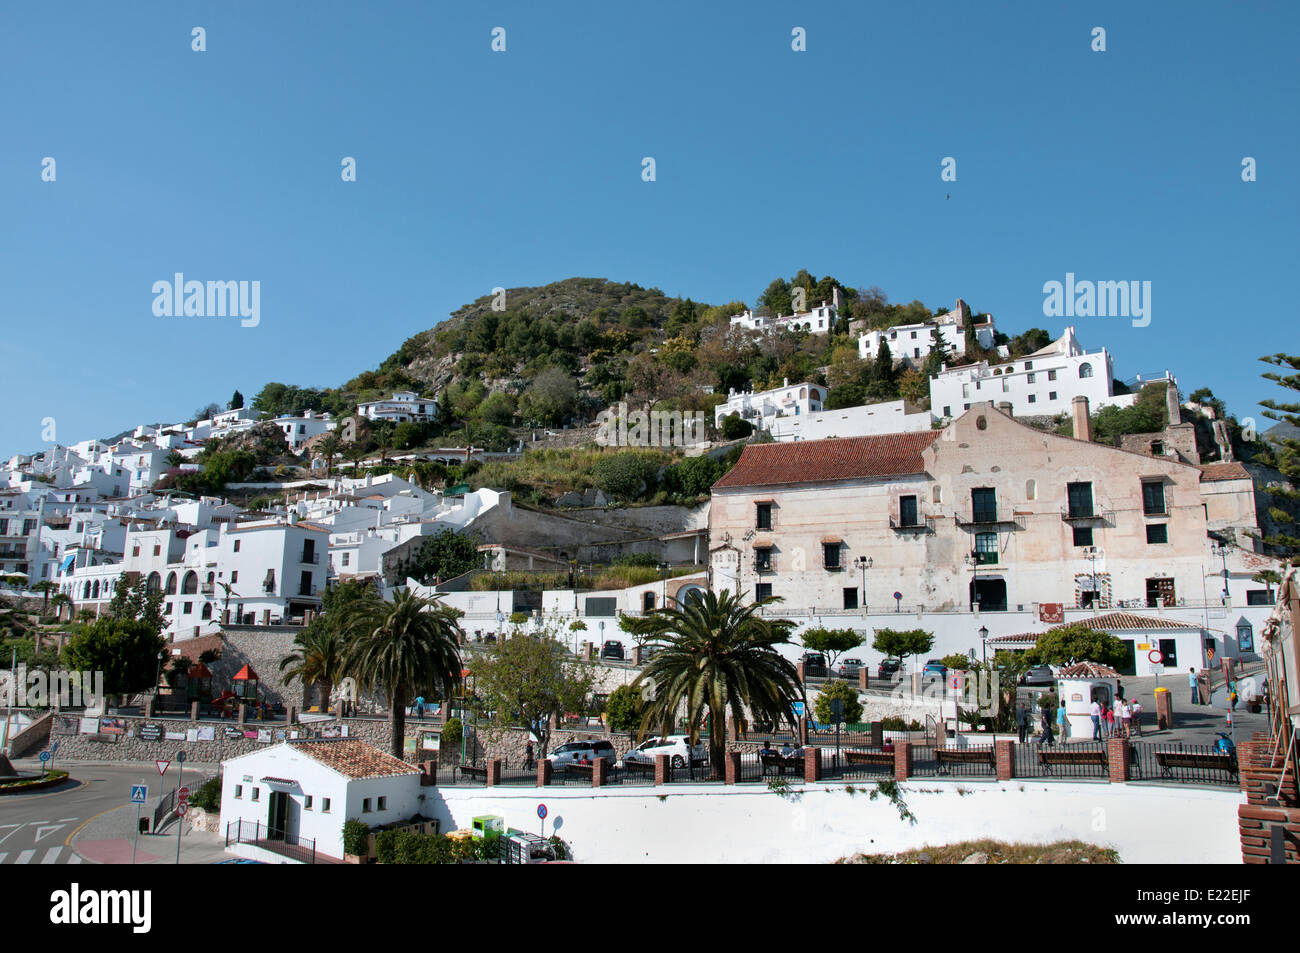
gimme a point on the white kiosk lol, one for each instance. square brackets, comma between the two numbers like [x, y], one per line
[1080, 685]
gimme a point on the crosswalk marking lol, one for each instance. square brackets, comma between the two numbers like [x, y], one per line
[74, 859]
[51, 855]
[2, 857]
[25, 857]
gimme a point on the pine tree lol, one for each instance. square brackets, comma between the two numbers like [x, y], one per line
[236, 402]
[1283, 454]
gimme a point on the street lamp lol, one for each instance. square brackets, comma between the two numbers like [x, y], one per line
[863, 563]
[984, 639]
[157, 676]
[1091, 553]
[973, 560]
[663, 568]
[1220, 549]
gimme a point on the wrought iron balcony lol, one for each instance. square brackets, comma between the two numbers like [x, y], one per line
[922, 524]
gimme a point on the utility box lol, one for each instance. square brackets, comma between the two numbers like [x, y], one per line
[488, 826]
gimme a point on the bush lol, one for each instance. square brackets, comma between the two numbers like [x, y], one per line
[451, 732]
[961, 663]
[356, 838]
[733, 428]
[623, 708]
[894, 723]
[208, 796]
[844, 692]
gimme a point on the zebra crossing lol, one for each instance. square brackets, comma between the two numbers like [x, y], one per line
[48, 855]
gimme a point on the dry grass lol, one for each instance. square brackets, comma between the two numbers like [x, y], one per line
[997, 852]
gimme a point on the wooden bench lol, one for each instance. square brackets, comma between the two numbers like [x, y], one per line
[1095, 759]
[950, 756]
[1168, 760]
[880, 758]
[583, 770]
[639, 767]
[476, 772]
[781, 763]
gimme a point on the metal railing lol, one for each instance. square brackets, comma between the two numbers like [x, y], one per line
[166, 809]
[273, 839]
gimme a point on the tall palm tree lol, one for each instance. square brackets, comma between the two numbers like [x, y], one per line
[718, 655]
[406, 646]
[327, 447]
[44, 587]
[317, 659]
[1269, 577]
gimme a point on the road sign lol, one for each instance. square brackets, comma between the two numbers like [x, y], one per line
[54, 747]
[184, 793]
[139, 793]
[180, 757]
[162, 766]
[798, 709]
[541, 811]
[1155, 656]
[181, 809]
[45, 756]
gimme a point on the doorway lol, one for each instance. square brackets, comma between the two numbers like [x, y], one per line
[990, 594]
[1160, 592]
[1169, 651]
[277, 817]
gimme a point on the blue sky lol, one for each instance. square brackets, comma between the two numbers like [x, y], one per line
[478, 169]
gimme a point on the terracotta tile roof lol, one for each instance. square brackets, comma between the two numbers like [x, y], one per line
[1107, 622]
[352, 758]
[1087, 670]
[821, 461]
[1212, 472]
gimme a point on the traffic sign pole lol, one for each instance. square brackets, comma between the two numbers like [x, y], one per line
[180, 823]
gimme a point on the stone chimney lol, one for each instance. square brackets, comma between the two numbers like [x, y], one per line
[962, 312]
[1082, 421]
[1005, 407]
[835, 297]
[1172, 405]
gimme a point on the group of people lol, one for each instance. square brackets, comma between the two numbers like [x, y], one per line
[788, 750]
[1123, 719]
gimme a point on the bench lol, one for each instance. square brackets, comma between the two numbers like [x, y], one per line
[478, 773]
[1168, 760]
[781, 763]
[1095, 759]
[639, 767]
[950, 756]
[880, 758]
[580, 769]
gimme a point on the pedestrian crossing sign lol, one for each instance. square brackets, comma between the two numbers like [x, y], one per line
[139, 793]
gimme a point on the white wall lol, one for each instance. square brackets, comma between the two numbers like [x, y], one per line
[751, 825]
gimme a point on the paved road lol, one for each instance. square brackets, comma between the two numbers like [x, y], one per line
[39, 828]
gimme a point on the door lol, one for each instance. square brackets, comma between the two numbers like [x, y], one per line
[277, 815]
[990, 594]
[1160, 592]
[1129, 665]
[1168, 649]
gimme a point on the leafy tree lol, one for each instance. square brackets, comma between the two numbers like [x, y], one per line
[777, 297]
[837, 689]
[407, 647]
[125, 650]
[900, 643]
[956, 660]
[1147, 414]
[445, 556]
[734, 427]
[317, 659]
[623, 709]
[132, 601]
[694, 475]
[1283, 455]
[524, 680]
[551, 396]
[1077, 643]
[718, 657]
[626, 474]
[832, 642]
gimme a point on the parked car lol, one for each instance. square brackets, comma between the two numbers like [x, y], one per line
[814, 665]
[850, 667]
[888, 668]
[1039, 675]
[677, 747]
[934, 669]
[582, 752]
[612, 650]
[650, 650]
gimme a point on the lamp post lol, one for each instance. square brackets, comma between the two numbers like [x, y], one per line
[984, 640]
[663, 568]
[973, 560]
[1220, 549]
[157, 676]
[863, 563]
[1091, 553]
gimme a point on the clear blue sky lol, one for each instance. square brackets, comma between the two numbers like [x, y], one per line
[478, 169]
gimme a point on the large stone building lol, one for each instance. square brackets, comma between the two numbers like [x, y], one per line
[987, 512]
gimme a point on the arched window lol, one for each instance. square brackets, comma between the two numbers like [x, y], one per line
[803, 392]
[207, 611]
[1085, 370]
[212, 578]
[171, 584]
[95, 590]
[85, 592]
[648, 601]
[191, 583]
[154, 583]
[1031, 490]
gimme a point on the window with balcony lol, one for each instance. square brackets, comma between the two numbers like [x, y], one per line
[763, 516]
[304, 584]
[984, 504]
[1083, 535]
[1079, 496]
[763, 590]
[763, 559]
[1153, 498]
[908, 514]
[986, 549]
[831, 555]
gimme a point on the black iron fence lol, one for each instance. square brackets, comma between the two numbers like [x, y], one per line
[1063, 761]
[166, 809]
[1193, 764]
[284, 843]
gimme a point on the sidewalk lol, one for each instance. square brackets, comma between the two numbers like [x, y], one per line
[109, 838]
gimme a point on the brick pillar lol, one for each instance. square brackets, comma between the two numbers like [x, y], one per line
[733, 730]
[803, 730]
[803, 677]
[1005, 749]
[194, 711]
[636, 655]
[599, 772]
[291, 715]
[1164, 709]
[494, 772]
[148, 707]
[902, 760]
[812, 764]
[1272, 807]
[243, 713]
[877, 734]
[544, 769]
[1256, 825]
[1120, 756]
[864, 678]
[428, 774]
[661, 769]
[733, 767]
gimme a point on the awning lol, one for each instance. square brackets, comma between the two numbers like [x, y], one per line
[283, 782]
[67, 562]
[832, 539]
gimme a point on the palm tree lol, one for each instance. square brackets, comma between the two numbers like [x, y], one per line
[407, 646]
[718, 655]
[44, 587]
[327, 447]
[1269, 577]
[317, 659]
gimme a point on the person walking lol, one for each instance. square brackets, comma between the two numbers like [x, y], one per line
[1095, 712]
[528, 756]
[1045, 721]
[1125, 719]
[1062, 723]
[1108, 719]
[1022, 721]
[1135, 710]
[1191, 682]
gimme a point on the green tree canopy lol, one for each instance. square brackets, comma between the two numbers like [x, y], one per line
[1283, 454]
[846, 693]
[832, 642]
[900, 643]
[125, 650]
[623, 709]
[1077, 643]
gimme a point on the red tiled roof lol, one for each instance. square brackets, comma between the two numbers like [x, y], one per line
[1087, 670]
[822, 461]
[1107, 622]
[1213, 472]
[352, 758]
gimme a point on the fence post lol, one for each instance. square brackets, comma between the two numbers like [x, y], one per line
[733, 767]
[599, 772]
[902, 760]
[194, 711]
[544, 769]
[877, 734]
[661, 769]
[864, 678]
[1119, 756]
[494, 772]
[1164, 708]
[812, 765]
[1005, 750]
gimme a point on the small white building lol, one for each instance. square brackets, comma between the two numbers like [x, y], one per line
[912, 343]
[763, 408]
[298, 430]
[891, 416]
[299, 793]
[818, 321]
[401, 407]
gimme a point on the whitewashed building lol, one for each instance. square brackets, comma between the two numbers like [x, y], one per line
[891, 416]
[763, 408]
[401, 407]
[298, 430]
[817, 321]
[912, 343]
